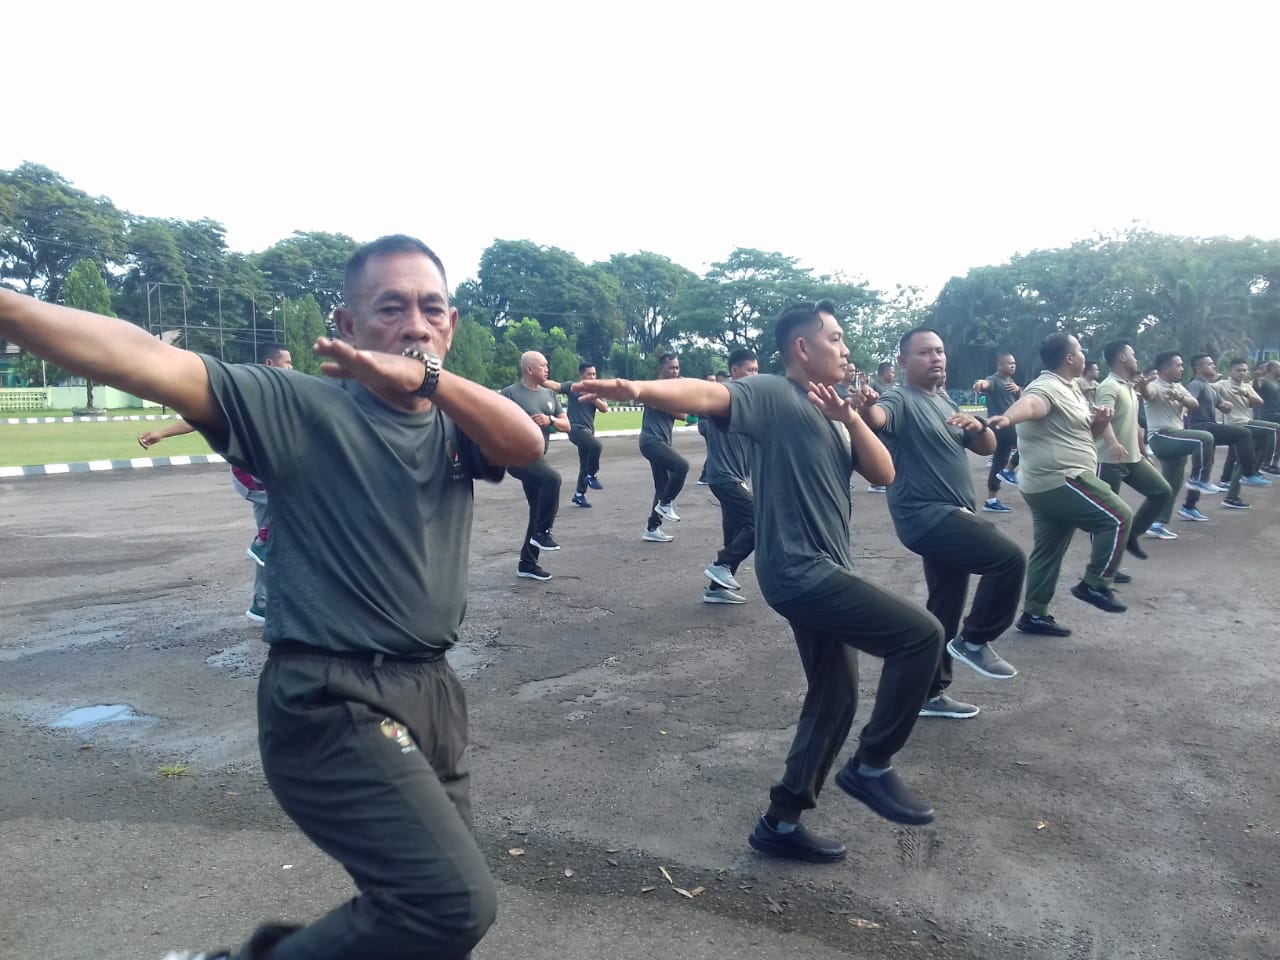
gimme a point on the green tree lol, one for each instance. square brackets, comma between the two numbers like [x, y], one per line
[86, 290]
[651, 288]
[303, 321]
[46, 225]
[307, 263]
[472, 351]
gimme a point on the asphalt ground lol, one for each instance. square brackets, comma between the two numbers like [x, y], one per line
[1116, 800]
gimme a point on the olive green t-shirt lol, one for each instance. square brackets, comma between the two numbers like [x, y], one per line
[370, 509]
[536, 400]
[1059, 445]
[800, 469]
[1119, 395]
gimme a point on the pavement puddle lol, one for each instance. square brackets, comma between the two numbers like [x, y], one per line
[83, 717]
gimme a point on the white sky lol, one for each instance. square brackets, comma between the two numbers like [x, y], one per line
[900, 141]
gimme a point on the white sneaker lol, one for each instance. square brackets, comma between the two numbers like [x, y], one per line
[877, 488]
[721, 595]
[721, 575]
[658, 536]
[667, 511]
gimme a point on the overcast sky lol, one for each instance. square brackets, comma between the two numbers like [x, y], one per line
[903, 142]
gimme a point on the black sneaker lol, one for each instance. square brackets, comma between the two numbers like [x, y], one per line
[1234, 503]
[1122, 578]
[1044, 625]
[1100, 597]
[797, 844]
[1136, 549]
[532, 572]
[197, 955]
[544, 541]
[886, 794]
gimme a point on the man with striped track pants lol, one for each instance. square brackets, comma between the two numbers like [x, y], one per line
[1056, 430]
[1168, 402]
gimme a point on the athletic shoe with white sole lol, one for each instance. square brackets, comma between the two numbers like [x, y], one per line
[944, 706]
[714, 594]
[532, 572]
[257, 552]
[1008, 476]
[1234, 503]
[1159, 531]
[995, 506]
[657, 535]
[544, 541]
[1191, 513]
[1255, 480]
[667, 511]
[257, 613]
[721, 575]
[984, 660]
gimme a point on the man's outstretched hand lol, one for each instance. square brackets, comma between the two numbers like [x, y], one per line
[615, 389]
[386, 374]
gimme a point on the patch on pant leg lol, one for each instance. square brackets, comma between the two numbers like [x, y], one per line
[394, 730]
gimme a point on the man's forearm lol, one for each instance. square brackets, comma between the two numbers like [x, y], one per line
[874, 417]
[1026, 407]
[503, 432]
[683, 396]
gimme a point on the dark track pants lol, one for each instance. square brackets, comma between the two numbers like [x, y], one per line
[589, 449]
[960, 545]
[1264, 446]
[1081, 503]
[831, 623]
[1146, 479]
[366, 757]
[1006, 440]
[669, 473]
[737, 522]
[1240, 440]
[1172, 450]
[541, 485]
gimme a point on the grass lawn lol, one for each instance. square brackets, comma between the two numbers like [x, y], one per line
[30, 444]
[122, 412]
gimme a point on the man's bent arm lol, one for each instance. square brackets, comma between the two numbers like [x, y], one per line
[111, 351]
[503, 432]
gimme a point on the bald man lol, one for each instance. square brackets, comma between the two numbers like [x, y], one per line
[540, 480]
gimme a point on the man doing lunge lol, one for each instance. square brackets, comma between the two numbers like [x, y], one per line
[669, 468]
[540, 480]
[933, 510]
[1244, 402]
[1119, 447]
[729, 477]
[582, 432]
[807, 442]
[1059, 482]
[1204, 416]
[1001, 393]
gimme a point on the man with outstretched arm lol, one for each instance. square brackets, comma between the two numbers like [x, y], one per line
[362, 723]
[1204, 416]
[933, 510]
[582, 432]
[540, 480]
[807, 442]
[1059, 482]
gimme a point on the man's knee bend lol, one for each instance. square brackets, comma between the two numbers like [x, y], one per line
[449, 926]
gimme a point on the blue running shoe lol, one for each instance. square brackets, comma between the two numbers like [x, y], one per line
[1008, 476]
[1191, 513]
[995, 506]
[593, 483]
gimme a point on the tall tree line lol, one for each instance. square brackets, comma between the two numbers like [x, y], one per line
[1199, 295]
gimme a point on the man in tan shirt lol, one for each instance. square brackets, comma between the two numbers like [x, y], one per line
[1243, 400]
[1056, 427]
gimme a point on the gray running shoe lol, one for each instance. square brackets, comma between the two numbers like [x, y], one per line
[944, 706]
[715, 594]
[984, 660]
[658, 535]
[667, 511]
[721, 575]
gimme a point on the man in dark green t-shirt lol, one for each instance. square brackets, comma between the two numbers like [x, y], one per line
[540, 480]
[728, 474]
[582, 432]
[807, 441]
[1000, 392]
[1267, 382]
[669, 468]
[362, 723]
[933, 510]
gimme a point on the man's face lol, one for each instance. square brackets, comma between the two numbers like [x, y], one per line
[1127, 361]
[669, 370]
[587, 374]
[1075, 357]
[536, 368]
[748, 368]
[1172, 371]
[888, 375]
[1240, 373]
[401, 302]
[850, 373]
[1091, 371]
[282, 359]
[822, 354]
[1207, 369]
[924, 363]
[1007, 366]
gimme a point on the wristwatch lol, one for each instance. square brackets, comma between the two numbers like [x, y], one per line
[431, 376]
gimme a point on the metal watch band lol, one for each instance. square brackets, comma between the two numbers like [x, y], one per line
[431, 372]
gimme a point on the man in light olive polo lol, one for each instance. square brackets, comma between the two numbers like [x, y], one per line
[1119, 449]
[1056, 427]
